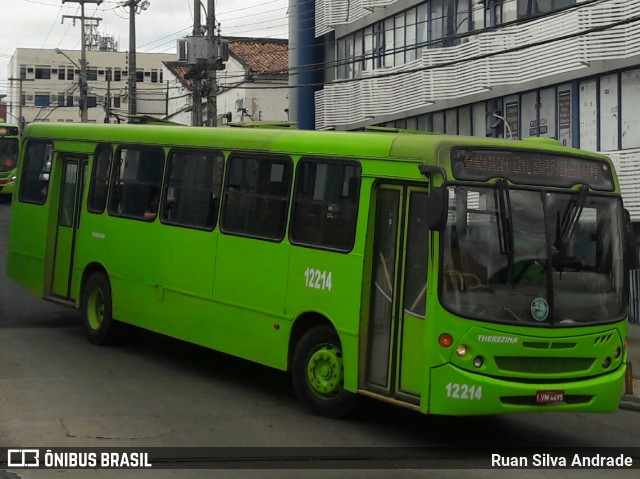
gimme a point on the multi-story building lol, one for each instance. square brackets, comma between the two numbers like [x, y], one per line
[45, 85]
[566, 69]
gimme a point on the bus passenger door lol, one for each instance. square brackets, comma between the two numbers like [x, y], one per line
[396, 344]
[73, 173]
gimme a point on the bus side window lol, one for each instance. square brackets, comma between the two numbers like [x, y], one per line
[36, 172]
[99, 185]
[256, 197]
[192, 188]
[325, 204]
[136, 181]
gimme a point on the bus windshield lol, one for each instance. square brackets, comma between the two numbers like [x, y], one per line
[536, 257]
[8, 153]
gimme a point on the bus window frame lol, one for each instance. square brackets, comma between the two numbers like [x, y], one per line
[260, 156]
[164, 186]
[24, 163]
[116, 156]
[93, 173]
[326, 160]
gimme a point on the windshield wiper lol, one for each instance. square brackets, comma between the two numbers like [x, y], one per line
[567, 226]
[505, 223]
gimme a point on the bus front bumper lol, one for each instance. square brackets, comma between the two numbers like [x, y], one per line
[454, 391]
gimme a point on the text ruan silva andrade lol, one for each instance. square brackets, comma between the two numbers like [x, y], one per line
[574, 460]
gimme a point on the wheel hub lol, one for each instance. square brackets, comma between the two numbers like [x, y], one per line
[325, 371]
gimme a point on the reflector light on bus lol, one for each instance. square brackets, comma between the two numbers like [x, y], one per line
[461, 350]
[445, 340]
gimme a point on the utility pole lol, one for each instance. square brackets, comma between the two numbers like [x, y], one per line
[83, 55]
[196, 103]
[205, 55]
[212, 57]
[107, 101]
[20, 80]
[135, 6]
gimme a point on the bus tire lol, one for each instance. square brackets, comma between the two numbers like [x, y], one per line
[318, 373]
[99, 325]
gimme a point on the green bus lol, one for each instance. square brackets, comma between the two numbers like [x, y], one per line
[450, 275]
[9, 147]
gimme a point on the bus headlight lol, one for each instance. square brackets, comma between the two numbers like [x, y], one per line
[606, 363]
[461, 350]
[478, 361]
[617, 353]
[12, 180]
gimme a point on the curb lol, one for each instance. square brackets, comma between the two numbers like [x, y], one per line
[630, 403]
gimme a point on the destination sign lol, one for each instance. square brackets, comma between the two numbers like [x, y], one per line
[531, 167]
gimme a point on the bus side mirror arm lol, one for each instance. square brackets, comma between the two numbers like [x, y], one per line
[438, 201]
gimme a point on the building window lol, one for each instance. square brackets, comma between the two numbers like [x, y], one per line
[630, 110]
[608, 112]
[92, 101]
[43, 73]
[117, 74]
[92, 74]
[378, 45]
[139, 76]
[69, 100]
[69, 73]
[527, 8]
[449, 19]
[23, 71]
[565, 115]
[60, 99]
[116, 102]
[42, 99]
[154, 76]
[61, 75]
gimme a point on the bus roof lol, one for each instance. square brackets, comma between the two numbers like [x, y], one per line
[382, 144]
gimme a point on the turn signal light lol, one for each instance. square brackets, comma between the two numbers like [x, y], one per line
[445, 340]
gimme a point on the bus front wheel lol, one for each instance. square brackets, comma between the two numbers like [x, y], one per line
[99, 326]
[318, 373]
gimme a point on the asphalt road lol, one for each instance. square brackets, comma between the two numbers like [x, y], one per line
[57, 390]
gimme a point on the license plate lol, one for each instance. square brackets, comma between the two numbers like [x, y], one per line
[549, 396]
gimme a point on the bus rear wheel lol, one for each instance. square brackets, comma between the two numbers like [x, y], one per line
[99, 325]
[318, 373]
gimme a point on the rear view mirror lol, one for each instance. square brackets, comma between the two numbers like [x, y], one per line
[437, 205]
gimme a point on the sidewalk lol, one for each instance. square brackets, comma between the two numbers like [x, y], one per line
[632, 401]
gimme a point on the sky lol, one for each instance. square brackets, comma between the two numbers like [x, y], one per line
[39, 24]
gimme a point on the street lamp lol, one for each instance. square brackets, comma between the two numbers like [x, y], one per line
[82, 83]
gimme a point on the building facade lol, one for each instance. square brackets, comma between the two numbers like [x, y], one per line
[252, 87]
[45, 85]
[565, 69]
